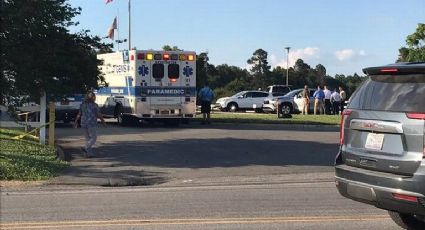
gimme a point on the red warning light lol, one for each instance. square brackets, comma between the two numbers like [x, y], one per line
[166, 57]
[140, 56]
[389, 70]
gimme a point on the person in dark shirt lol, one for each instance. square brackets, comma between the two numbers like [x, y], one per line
[206, 95]
[306, 99]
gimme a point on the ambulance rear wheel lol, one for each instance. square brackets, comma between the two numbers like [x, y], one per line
[126, 120]
[122, 119]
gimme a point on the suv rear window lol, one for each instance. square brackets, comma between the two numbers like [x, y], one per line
[398, 93]
[280, 90]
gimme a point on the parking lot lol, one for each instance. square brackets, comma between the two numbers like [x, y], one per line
[200, 154]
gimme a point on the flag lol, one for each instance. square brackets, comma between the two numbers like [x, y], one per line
[112, 28]
[108, 1]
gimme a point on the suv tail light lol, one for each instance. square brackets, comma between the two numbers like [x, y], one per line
[398, 196]
[344, 116]
[389, 70]
[419, 116]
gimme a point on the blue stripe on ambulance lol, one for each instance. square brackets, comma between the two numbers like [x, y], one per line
[149, 91]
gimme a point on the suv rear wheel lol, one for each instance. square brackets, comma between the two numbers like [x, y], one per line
[286, 109]
[407, 221]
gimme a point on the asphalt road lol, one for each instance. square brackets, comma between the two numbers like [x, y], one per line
[276, 206]
[200, 155]
[194, 177]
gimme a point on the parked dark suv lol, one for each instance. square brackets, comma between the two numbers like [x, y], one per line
[381, 158]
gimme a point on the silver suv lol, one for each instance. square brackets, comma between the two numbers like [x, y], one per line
[292, 102]
[382, 148]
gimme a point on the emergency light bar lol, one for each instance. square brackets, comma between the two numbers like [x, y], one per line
[165, 57]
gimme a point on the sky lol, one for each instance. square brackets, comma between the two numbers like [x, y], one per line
[344, 36]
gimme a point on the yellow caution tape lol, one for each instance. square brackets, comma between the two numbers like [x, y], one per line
[32, 131]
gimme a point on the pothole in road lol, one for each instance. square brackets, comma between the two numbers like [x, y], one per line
[134, 181]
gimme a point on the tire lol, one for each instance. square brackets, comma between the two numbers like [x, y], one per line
[119, 115]
[407, 221]
[232, 107]
[122, 119]
[286, 109]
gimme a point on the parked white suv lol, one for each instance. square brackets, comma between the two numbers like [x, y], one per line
[245, 100]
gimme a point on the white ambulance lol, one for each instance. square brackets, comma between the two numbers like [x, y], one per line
[147, 84]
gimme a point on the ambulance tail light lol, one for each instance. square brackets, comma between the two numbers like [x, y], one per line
[140, 56]
[149, 57]
[182, 57]
[157, 56]
[174, 57]
[166, 57]
[173, 79]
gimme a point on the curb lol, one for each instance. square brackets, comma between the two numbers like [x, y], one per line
[306, 127]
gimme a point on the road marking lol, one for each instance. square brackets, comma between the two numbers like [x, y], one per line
[277, 185]
[136, 222]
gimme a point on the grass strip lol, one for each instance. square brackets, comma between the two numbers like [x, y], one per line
[27, 160]
[254, 118]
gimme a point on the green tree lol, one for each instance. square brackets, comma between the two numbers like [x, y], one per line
[415, 50]
[301, 74]
[224, 74]
[350, 83]
[171, 48]
[41, 53]
[201, 69]
[320, 72]
[260, 68]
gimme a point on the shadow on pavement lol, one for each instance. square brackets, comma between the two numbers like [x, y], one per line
[208, 153]
[124, 163]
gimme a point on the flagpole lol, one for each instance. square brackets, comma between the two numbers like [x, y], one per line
[129, 25]
[118, 30]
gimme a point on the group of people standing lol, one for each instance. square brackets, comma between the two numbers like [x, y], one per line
[325, 101]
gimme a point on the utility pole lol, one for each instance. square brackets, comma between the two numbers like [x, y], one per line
[206, 65]
[287, 64]
[129, 25]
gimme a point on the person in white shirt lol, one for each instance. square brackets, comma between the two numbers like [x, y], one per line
[343, 95]
[336, 102]
[328, 105]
